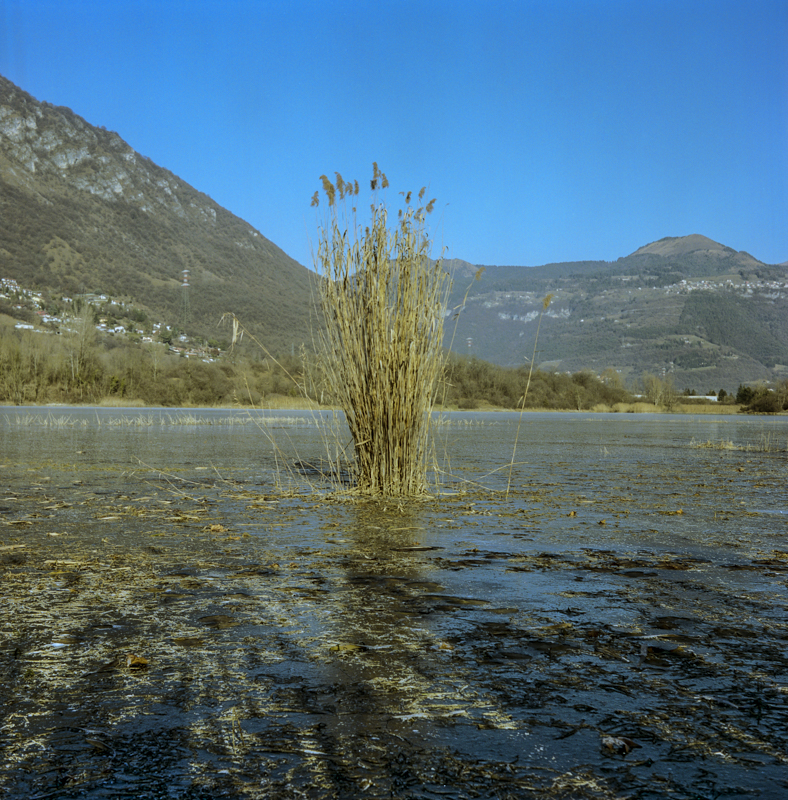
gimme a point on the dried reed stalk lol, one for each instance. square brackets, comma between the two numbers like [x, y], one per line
[545, 305]
[383, 303]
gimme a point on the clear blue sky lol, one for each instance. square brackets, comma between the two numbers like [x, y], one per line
[551, 130]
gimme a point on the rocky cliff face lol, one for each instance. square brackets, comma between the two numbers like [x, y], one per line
[40, 139]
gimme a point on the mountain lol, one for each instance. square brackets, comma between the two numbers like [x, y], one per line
[673, 246]
[685, 306]
[83, 212]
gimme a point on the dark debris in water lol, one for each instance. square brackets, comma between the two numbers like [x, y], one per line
[161, 645]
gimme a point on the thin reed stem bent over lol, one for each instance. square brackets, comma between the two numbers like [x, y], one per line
[545, 305]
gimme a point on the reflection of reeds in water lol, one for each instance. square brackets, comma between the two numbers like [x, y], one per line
[383, 303]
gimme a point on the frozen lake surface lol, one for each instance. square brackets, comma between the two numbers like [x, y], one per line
[187, 615]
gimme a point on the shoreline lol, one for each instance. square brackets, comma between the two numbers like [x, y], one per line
[297, 404]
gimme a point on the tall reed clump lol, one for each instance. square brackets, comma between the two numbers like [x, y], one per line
[383, 301]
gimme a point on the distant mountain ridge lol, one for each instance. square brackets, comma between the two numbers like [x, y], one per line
[82, 211]
[684, 306]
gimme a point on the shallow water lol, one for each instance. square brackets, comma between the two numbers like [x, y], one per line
[615, 627]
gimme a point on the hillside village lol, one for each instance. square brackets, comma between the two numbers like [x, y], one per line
[57, 315]
[771, 289]
[562, 299]
[775, 289]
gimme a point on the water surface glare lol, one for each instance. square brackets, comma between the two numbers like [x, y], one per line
[187, 614]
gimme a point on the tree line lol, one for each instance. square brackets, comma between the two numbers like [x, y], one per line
[469, 382]
[763, 399]
[83, 366]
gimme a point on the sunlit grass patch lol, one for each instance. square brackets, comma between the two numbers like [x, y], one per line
[720, 444]
[48, 421]
[461, 422]
[247, 419]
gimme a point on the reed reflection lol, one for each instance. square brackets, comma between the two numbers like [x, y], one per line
[383, 660]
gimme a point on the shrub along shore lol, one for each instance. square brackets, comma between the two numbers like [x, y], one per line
[39, 370]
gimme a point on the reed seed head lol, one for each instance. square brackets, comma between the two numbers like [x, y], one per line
[328, 188]
[546, 302]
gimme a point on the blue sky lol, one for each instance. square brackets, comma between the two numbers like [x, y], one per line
[551, 130]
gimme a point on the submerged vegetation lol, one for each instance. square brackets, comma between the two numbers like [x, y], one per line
[383, 301]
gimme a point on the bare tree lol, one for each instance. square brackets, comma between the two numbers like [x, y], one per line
[660, 391]
[79, 341]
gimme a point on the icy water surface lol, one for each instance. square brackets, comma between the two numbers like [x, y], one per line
[185, 615]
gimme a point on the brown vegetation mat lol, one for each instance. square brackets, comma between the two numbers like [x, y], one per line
[164, 639]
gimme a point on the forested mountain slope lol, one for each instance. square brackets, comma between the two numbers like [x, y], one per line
[83, 212]
[684, 306]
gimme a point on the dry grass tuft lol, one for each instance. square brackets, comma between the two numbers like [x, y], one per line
[766, 443]
[383, 303]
